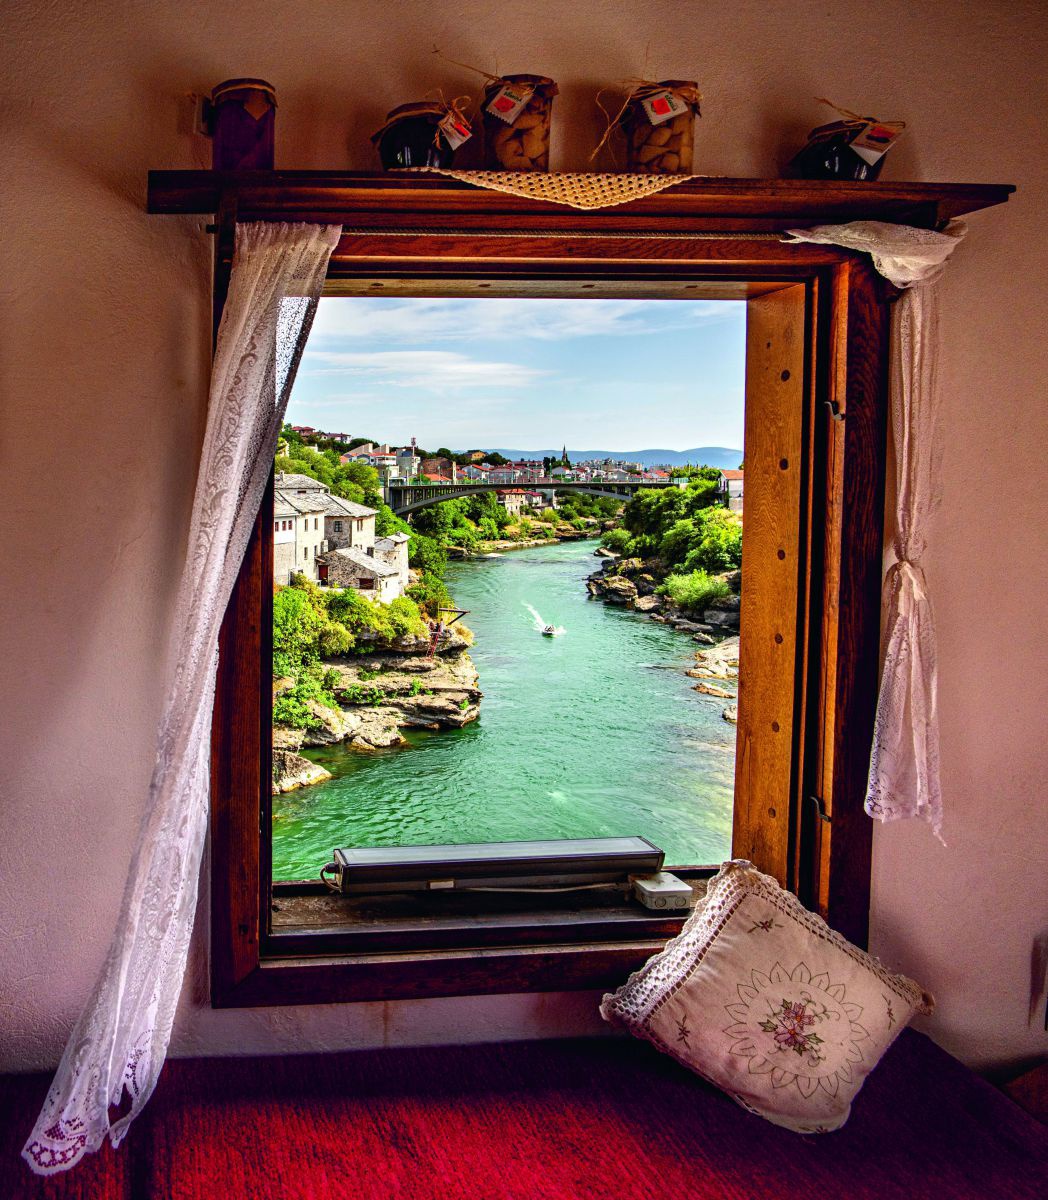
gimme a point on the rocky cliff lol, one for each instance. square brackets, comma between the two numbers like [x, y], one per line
[379, 694]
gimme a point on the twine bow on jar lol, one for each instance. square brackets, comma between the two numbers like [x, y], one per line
[639, 90]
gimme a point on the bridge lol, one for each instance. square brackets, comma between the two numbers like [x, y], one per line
[404, 498]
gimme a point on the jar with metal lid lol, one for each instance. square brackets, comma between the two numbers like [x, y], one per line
[659, 124]
[517, 114]
[852, 149]
[425, 133]
[242, 120]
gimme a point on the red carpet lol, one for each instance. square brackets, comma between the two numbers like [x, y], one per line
[574, 1120]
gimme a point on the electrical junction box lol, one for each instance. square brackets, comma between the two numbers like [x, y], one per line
[663, 891]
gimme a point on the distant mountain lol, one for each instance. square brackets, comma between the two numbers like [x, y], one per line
[701, 456]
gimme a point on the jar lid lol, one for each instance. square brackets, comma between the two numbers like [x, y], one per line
[238, 85]
[426, 110]
[540, 83]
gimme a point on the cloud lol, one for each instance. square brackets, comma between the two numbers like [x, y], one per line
[429, 370]
[423, 321]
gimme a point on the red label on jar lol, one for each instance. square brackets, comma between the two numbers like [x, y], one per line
[508, 102]
[662, 106]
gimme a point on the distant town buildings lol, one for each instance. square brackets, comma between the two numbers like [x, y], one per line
[729, 488]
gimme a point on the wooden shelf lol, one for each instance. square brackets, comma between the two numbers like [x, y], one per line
[375, 200]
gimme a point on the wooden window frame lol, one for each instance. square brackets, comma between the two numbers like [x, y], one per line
[814, 505]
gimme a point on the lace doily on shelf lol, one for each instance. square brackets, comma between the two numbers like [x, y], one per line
[576, 189]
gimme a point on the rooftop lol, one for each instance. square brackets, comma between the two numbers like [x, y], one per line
[338, 506]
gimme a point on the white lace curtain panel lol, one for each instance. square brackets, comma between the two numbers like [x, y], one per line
[121, 1038]
[904, 765]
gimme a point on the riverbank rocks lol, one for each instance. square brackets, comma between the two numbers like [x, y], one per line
[291, 771]
[604, 552]
[334, 726]
[711, 689]
[380, 694]
[647, 604]
[718, 662]
[618, 590]
[287, 739]
[731, 714]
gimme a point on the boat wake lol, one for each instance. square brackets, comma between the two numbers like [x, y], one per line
[540, 625]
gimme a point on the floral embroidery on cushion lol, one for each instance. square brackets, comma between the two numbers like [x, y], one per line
[683, 1032]
[767, 926]
[788, 1025]
[797, 1027]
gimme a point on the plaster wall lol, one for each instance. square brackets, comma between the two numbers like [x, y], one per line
[105, 330]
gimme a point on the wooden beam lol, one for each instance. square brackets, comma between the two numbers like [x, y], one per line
[398, 199]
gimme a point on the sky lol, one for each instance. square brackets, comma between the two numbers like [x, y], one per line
[525, 374]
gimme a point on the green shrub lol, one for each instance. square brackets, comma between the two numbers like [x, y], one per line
[335, 639]
[298, 618]
[694, 591]
[405, 618]
[430, 594]
[356, 693]
[313, 684]
[619, 541]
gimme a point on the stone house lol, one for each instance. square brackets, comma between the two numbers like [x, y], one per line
[298, 533]
[350, 567]
[308, 520]
[347, 523]
[729, 488]
[393, 551]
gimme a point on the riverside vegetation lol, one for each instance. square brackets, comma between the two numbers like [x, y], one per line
[676, 556]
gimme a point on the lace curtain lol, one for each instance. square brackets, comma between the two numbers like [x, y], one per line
[904, 766]
[121, 1038]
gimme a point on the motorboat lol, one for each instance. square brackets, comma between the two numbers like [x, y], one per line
[549, 631]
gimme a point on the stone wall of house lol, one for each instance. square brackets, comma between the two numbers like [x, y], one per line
[283, 562]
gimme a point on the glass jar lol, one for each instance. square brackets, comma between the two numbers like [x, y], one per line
[412, 136]
[828, 154]
[665, 147]
[520, 143]
[242, 122]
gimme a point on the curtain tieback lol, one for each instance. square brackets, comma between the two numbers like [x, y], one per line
[905, 575]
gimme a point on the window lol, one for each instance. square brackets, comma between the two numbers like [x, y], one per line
[337, 526]
[816, 339]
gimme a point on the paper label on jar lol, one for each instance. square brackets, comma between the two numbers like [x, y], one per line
[663, 106]
[455, 132]
[875, 139]
[508, 102]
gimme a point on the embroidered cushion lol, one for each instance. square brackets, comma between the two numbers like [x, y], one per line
[763, 999]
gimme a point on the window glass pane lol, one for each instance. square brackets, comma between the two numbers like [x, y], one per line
[589, 688]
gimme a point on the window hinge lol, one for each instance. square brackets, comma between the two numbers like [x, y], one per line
[820, 807]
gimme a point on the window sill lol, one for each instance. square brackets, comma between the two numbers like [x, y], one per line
[325, 948]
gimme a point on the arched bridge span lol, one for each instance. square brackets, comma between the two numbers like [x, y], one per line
[409, 497]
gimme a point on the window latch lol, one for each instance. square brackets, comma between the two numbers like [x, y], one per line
[820, 808]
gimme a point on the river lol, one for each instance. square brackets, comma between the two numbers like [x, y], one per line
[596, 732]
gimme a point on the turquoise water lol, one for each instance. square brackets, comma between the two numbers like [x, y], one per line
[593, 733]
